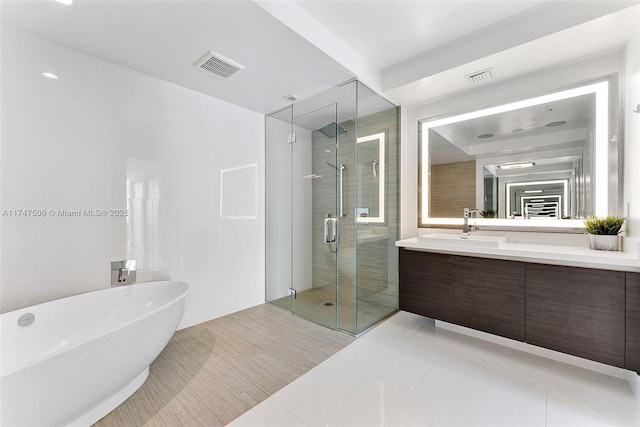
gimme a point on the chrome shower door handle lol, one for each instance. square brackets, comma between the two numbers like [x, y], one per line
[329, 229]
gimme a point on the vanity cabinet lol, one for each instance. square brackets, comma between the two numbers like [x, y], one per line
[489, 295]
[579, 311]
[633, 322]
[426, 284]
[585, 312]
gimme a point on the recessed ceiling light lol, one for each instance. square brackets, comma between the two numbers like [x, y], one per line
[518, 130]
[517, 165]
[553, 124]
[485, 136]
[50, 76]
[290, 97]
[65, 2]
[532, 191]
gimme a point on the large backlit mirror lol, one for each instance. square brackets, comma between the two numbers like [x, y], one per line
[544, 159]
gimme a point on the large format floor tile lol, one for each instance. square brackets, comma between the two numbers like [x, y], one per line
[407, 372]
[459, 392]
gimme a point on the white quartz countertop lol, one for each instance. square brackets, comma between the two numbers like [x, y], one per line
[575, 256]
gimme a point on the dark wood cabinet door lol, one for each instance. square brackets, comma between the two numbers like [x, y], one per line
[578, 311]
[633, 322]
[426, 284]
[489, 296]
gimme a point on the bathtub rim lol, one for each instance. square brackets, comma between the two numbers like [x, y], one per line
[6, 371]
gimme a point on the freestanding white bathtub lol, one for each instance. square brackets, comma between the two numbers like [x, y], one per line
[84, 355]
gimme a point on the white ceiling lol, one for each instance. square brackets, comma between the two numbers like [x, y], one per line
[164, 38]
[411, 51]
[597, 36]
[387, 32]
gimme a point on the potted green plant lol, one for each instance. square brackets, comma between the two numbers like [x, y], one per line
[603, 232]
[488, 213]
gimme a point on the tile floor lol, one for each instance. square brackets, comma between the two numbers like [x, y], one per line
[406, 372]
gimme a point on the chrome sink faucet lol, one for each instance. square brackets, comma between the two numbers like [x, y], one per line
[466, 228]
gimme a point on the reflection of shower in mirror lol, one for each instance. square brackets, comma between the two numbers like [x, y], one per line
[373, 165]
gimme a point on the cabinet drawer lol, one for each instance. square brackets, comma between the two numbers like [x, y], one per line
[578, 311]
[426, 284]
[489, 296]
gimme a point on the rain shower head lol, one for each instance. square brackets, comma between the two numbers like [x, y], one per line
[332, 130]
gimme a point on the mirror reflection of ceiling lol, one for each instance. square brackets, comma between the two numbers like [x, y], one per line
[528, 129]
[539, 190]
[549, 165]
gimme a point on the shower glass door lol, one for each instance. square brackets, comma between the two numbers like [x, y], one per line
[278, 209]
[304, 210]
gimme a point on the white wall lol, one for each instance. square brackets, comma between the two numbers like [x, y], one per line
[72, 143]
[632, 133]
[484, 95]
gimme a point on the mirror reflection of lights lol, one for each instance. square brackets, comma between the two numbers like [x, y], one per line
[517, 165]
[564, 201]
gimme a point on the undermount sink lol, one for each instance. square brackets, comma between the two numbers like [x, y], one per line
[474, 240]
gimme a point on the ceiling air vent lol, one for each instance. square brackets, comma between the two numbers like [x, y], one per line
[480, 76]
[218, 64]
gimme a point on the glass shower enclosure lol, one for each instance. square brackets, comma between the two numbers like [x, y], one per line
[332, 208]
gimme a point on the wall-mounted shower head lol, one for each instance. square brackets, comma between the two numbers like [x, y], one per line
[332, 130]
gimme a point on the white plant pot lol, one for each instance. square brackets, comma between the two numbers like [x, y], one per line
[603, 242]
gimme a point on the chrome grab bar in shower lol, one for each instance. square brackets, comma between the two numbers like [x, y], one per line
[340, 169]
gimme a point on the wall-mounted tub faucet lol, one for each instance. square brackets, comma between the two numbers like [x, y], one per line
[466, 228]
[123, 272]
